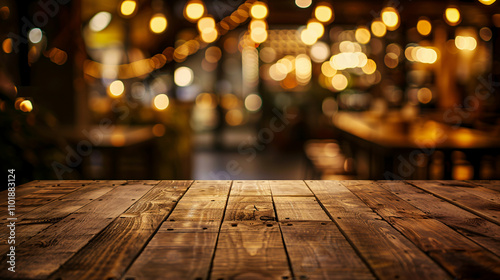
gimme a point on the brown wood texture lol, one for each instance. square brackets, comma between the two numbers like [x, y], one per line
[459, 255]
[184, 245]
[150, 229]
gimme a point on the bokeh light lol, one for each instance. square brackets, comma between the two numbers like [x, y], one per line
[323, 13]
[158, 23]
[378, 28]
[253, 102]
[116, 88]
[100, 21]
[259, 10]
[424, 26]
[183, 76]
[35, 35]
[194, 10]
[161, 102]
[127, 7]
[452, 15]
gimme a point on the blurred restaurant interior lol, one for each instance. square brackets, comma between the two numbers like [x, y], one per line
[234, 89]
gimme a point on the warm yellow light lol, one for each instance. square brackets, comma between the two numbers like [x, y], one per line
[206, 101]
[424, 55]
[99, 21]
[327, 69]
[339, 82]
[323, 13]
[258, 23]
[158, 23]
[320, 52]
[258, 35]
[161, 102]
[378, 28]
[128, 7]
[303, 3]
[303, 67]
[424, 26]
[183, 76]
[253, 102]
[209, 35]
[316, 27]
[390, 18]
[277, 73]
[487, 2]
[465, 43]
[26, 106]
[234, 117]
[258, 10]
[424, 95]
[452, 16]
[362, 35]
[308, 37]
[116, 88]
[194, 10]
[369, 67]
[7, 45]
[206, 23]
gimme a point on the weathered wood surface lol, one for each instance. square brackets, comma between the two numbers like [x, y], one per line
[254, 230]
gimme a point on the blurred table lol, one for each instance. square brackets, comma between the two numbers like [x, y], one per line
[254, 230]
[389, 143]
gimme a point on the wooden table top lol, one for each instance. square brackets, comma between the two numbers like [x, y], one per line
[254, 230]
[392, 132]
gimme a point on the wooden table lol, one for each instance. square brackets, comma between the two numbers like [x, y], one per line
[382, 144]
[254, 230]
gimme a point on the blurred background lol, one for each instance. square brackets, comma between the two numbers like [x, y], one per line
[233, 89]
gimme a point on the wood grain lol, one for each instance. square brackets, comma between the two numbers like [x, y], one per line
[481, 231]
[250, 250]
[250, 201]
[317, 250]
[110, 253]
[184, 245]
[478, 205]
[389, 254]
[428, 234]
[36, 220]
[62, 240]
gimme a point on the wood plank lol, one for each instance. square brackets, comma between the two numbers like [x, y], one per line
[250, 201]
[40, 197]
[31, 223]
[184, 245]
[318, 250]
[388, 253]
[61, 241]
[299, 209]
[479, 206]
[490, 184]
[474, 189]
[289, 188]
[113, 250]
[481, 231]
[452, 250]
[251, 188]
[250, 250]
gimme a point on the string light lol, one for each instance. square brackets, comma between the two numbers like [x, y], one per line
[158, 23]
[127, 8]
[194, 10]
[452, 15]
